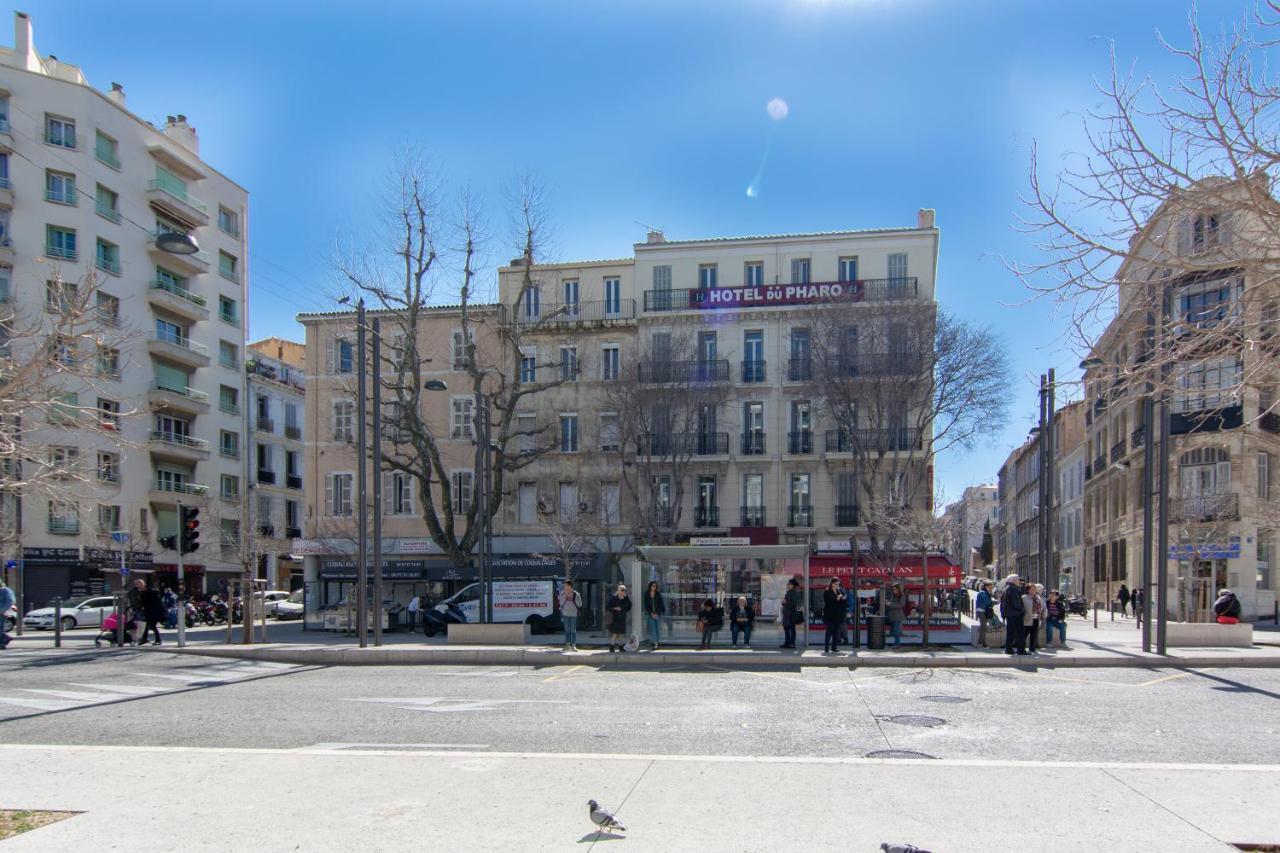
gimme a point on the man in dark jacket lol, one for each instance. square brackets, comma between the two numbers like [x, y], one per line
[1011, 610]
[792, 613]
[153, 612]
[616, 611]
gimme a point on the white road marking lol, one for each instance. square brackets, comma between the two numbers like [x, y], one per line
[39, 704]
[388, 747]
[444, 705]
[123, 689]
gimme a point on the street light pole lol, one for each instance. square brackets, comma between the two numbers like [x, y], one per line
[1148, 486]
[377, 482]
[362, 507]
[486, 476]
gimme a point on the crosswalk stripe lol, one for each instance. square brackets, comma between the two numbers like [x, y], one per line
[40, 704]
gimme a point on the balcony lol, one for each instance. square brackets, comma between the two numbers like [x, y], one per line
[873, 440]
[293, 532]
[230, 274]
[185, 400]
[1207, 420]
[266, 477]
[293, 481]
[66, 195]
[1138, 437]
[799, 369]
[752, 516]
[753, 443]
[167, 491]
[862, 290]
[800, 443]
[229, 408]
[559, 316]
[753, 371]
[293, 432]
[847, 515]
[799, 516]
[266, 530]
[177, 299]
[1099, 464]
[689, 443]
[229, 361]
[61, 253]
[178, 349]
[265, 424]
[177, 446]
[1117, 451]
[1204, 508]
[706, 516]
[876, 365]
[64, 526]
[176, 201]
[108, 213]
[194, 264]
[683, 372]
[230, 451]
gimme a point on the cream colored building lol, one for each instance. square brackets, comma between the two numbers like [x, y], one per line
[87, 185]
[276, 384]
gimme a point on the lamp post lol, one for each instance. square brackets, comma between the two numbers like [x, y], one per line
[362, 489]
[377, 482]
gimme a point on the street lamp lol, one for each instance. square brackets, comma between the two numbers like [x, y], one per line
[176, 243]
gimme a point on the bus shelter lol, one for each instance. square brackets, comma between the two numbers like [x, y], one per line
[687, 575]
[872, 579]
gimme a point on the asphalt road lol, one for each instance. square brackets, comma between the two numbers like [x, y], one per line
[1127, 715]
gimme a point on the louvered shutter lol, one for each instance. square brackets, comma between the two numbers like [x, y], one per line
[328, 495]
[328, 356]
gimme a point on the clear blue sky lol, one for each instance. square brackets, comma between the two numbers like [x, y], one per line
[651, 111]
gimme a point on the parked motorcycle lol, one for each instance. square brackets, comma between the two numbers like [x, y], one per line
[436, 620]
[1078, 605]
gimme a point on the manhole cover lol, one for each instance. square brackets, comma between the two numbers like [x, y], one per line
[897, 753]
[918, 720]
[954, 700]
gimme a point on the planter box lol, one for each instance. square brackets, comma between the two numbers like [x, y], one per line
[1209, 634]
[510, 634]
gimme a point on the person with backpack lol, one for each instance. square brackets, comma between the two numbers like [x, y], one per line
[1227, 608]
[570, 607]
[984, 608]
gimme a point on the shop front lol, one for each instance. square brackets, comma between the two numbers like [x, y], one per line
[874, 579]
[66, 573]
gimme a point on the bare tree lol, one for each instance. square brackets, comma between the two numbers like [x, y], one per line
[665, 402]
[903, 383]
[428, 255]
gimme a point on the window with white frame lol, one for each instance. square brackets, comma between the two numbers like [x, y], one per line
[528, 365]
[613, 297]
[399, 493]
[462, 483]
[800, 271]
[343, 356]
[526, 431]
[569, 297]
[849, 268]
[568, 502]
[610, 437]
[461, 350]
[897, 266]
[569, 433]
[108, 518]
[533, 301]
[338, 494]
[1208, 385]
[610, 362]
[462, 424]
[610, 504]
[344, 418]
[753, 273]
[568, 363]
[706, 276]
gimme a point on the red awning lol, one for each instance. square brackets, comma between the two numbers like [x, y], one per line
[907, 567]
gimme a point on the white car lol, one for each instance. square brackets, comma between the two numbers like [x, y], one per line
[76, 613]
[271, 598]
[291, 607]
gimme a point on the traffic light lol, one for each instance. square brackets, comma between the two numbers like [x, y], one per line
[169, 542]
[190, 531]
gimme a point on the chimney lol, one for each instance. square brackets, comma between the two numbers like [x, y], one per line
[655, 236]
[177, 129]
[116, 94]
[926, 217]
[24, 42]
[517, 262]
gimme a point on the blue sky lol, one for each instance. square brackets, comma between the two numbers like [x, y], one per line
[648, 111]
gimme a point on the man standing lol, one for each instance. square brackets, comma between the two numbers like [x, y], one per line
[1123, 596]
[984, 609]
[415, 604]
[7, 601]
[153, 613]
[570, 606]
[1011, 611]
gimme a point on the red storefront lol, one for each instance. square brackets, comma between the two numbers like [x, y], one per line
[874, 578]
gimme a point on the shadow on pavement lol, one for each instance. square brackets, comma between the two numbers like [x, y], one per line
[1234, 686]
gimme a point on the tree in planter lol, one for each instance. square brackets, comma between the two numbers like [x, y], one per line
[986, 552]
[422, 251]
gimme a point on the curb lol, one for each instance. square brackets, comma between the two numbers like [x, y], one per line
[665, 660]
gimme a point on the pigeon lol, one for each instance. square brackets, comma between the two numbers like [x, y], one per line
[901, 847]
[602, 818]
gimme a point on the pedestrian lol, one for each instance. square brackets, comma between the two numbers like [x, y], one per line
[895, 612]
[1032, 611]
[170, 600]
[570, 607]
[1227, 608]
[710, 620]
[153, 613]
[654, 609]
[415, 606]
[1123, 597]
[7, 602]
[616, 610]
[1011, 611]
[1055, 613]
[135, 600]
[984, 609]
[792, 613]
[742, 619]
[834, 609]
[1138, 596]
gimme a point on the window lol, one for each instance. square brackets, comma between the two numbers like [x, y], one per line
[4, 169]
[64, 517]
[753, 356]
[266, 463]
[344, 356]
[171, 333]
[229, 534]
[228, 310]
[109, 413]
[1208, 385]
[849, 269]
[292, 527]
[6, 279]
[107, 257]
[229, 487]
[568, 433]
[399, 493]
[660, 493]
[610, 362]
[344, 420]
[1264, 476]
[229, 399]
[60, 188]
[64, 350]
[1207, 303]
[63, 460]
[526, 430]
[228, 222]
[228, 267]
[533, 302]
[528, 365]
[610, 439]
[896, 488]
[800, 271]
[228, 355]
[65, 408]
[461, 354]
[292, 466]
[568, 503]
[613, 297]
[461, 483]
[60, 243]
[610, 504]
[753, 491]
[463, 419]
[292, 428]
[108, 362]
[106, 149]
[109, 467]
[337, 489]
[1200, 232]
[661, 297]
[753, 274]
[264, 514]
[59, 131]
[527, 504]
[107, 204]
[897, 265]
[568, 364]
[229, 444]
[108, 518]
[569, 295]
[706, 276]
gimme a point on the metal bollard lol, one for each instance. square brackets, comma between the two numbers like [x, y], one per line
[1095, 614]
[57, 623]
[1111, 608]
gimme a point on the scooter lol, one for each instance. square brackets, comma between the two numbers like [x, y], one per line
[1078, 605]
[436, 620]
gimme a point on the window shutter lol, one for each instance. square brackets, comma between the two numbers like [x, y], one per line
[1184, 235]
[328, 356]
[1224, 228]
[1264, 476]
[1223, 476]
[328, 494]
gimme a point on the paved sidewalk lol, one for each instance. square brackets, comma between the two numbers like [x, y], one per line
[348, 797]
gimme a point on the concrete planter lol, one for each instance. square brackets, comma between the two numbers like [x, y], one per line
[513, 634]
[1209, 634]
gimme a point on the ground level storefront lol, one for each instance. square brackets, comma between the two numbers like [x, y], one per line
[44, 574]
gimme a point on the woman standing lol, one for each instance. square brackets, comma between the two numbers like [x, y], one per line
[616, 618]
[895, 612]
[654, 609]
[834, 608]
[792, 613]
[742, 618]
[570, 607]
[1032, 614]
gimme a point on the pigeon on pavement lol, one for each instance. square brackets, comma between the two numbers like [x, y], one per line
[602, 818]
[901, 847]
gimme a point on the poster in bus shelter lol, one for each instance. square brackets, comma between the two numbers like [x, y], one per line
[772, 588]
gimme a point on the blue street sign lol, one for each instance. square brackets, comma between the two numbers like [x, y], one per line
[120, 536]
[11, 564]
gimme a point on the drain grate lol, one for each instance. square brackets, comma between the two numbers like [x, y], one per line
[898, 753]
[918, 720]
[953, 700]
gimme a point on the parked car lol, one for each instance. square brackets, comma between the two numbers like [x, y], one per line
[76, 613]
[291, 607]
[273, 597]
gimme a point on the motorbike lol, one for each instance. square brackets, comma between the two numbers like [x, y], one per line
[1078, 605]
[436, 620]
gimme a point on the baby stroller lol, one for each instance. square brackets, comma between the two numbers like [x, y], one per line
[110, 627]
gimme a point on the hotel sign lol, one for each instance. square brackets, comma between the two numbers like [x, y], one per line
[779, 294]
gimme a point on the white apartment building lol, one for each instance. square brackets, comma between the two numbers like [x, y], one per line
[87, 187]
[276, 383]
[968, 519]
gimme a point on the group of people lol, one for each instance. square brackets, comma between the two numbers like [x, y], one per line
[1126, 598]
[1025, 608]
[837, 604]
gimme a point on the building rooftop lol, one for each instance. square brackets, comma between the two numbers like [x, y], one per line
[855, 232]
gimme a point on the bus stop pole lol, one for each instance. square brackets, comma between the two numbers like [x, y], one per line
[804, 624]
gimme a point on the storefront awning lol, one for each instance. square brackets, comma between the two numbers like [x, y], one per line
[906, 568]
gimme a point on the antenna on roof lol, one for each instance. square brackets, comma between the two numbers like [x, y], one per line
[646, 227]
[655, 235]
